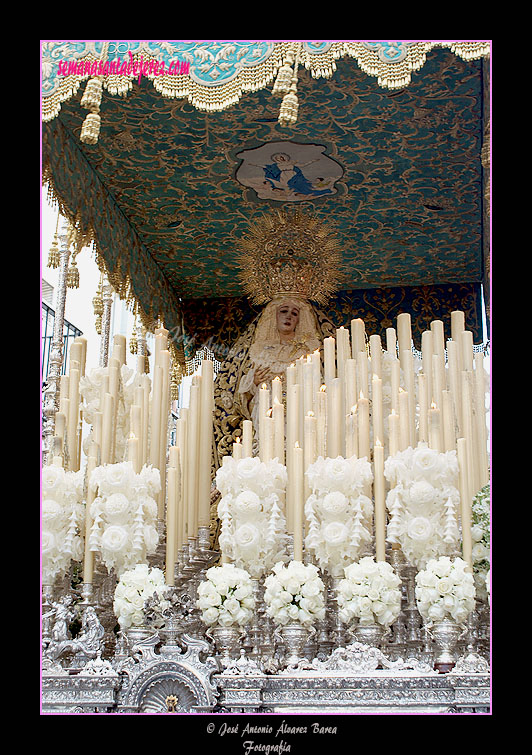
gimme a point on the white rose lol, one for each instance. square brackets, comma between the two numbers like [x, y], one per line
[115, 538]
[116, 508]
[311, 589]
[247, 501]
[48, 541]
[425, 461]
[52, 479]
[334, 503]
[209, 615]
[419, 528]
[151, 538]
[436, 612]
[422, 493]
[335, 533]
[247, 536]
[51, 511]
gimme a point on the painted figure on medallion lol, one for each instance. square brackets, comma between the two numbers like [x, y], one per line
[287, 171]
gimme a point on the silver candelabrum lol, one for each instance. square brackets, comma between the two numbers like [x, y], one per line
[78, 622]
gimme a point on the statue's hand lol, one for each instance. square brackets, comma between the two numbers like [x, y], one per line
[262, 375]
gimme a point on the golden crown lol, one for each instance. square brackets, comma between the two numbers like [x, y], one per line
[290, 254]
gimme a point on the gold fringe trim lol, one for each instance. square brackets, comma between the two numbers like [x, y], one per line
[251, 79]
[120, 280]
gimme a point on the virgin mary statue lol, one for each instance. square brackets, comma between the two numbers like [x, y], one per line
[290, 264]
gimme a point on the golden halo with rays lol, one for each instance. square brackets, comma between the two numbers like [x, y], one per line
[290, 254]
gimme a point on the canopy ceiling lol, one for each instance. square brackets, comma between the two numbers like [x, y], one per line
[168, 190]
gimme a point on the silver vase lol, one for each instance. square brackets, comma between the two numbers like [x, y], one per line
[227, 641]
[445, 634]
[138, 634]
[368, 634]
[294, 637]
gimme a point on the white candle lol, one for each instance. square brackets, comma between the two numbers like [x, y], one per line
[377, 408]
[480, 417]
[404, 334]
[423, 408]
[334, 438]
[408, 361]
[72, 432]
[155, 429]
[88, 561]
[426, 360]
[192, 461]
[454, 382]
[316, 375]
[205, 443]
[363, 427]
[247, 438]
[395, 380]
[434, 428]
[133, 451]
[264, 405]
[107, 429]
[394, 433]
[329, 375]
[358, 340]
[449, 435]
[278, 430]
[391, 341]
[171, 527]
[457, 324]
[350, 387]
[375, 350]
[466, 343]
[277, 390]
[350, 440]
[268, 425]
[380, 505]
[135, 423]
[321, 406]
[363, 373]
[465, 502]
[308, 399]
[297, 474]
[237, 450]
[404, 419]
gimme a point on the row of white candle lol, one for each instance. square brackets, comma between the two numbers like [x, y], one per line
[67, 429]
[451, 416]
[189, 469]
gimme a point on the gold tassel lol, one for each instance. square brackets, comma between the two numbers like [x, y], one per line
[133, 342]
[92, 98]
[73, 275]
[90, 129]
[283, 80]
[53, 254]
[289, 108]
[175, 380]
[97, 305]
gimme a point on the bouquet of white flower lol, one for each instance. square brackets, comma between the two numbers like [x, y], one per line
[480, 533]
[294, 593]
[63, 518]
[338, 513]
[133, 590]
[226, 597]
[371, 592]
[445, 590]
[124, 529]
[250, 510]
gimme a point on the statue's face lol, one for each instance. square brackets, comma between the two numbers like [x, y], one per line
[287, 318]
